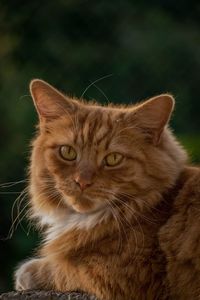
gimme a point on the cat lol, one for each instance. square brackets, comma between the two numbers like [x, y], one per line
[118, 205]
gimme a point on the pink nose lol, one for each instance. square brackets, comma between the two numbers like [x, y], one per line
[82, 183]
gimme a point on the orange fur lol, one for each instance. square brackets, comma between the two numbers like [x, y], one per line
[130, 231]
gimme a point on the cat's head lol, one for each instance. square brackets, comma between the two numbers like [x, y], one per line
[87, 157]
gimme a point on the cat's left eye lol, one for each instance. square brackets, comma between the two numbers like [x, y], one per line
[113, 159]
[68, 152]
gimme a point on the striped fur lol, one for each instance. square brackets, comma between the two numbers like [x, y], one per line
[103, 239]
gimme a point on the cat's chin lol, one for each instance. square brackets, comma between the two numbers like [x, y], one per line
[83, 205]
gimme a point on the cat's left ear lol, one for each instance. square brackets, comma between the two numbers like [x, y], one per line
[49, 102]
[153, 115]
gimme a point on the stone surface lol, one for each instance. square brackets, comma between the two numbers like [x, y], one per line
[45, 295]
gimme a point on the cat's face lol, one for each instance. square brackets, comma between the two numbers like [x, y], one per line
[89, 157]
[93, 158]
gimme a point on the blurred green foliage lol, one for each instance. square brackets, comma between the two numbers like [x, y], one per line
[192, 144]
[149, 47]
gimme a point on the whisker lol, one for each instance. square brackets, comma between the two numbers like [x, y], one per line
[101, 91]
[120, 243]
[155, 209]
[128, 206]
[8, 193]
[137, 212]
[124, 230]
[24, 192]
[12, 183]
[15, 223]
[95, 81]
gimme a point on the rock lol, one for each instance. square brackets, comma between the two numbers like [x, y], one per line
[45, 295]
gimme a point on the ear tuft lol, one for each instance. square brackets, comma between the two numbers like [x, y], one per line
[37, 83]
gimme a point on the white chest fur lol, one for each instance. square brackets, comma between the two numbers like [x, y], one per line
[58, 224]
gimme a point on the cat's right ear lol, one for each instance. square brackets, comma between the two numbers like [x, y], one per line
[153, 115]
[49, 102]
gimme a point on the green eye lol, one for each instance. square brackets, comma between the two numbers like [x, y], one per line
[68, 152]
[113, 159]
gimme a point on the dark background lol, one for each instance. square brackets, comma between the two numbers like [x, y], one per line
[142, 48]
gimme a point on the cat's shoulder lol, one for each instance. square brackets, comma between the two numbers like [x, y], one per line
[180, 235]
[188, 187]
[187, 194]
[191, 172]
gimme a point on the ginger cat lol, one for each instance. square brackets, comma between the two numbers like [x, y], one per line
[118, 206]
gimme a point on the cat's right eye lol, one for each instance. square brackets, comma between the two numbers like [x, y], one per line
[68, 152]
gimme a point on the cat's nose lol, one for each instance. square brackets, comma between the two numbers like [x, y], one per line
[83, 183]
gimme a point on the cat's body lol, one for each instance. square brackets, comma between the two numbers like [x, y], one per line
[119, 206]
